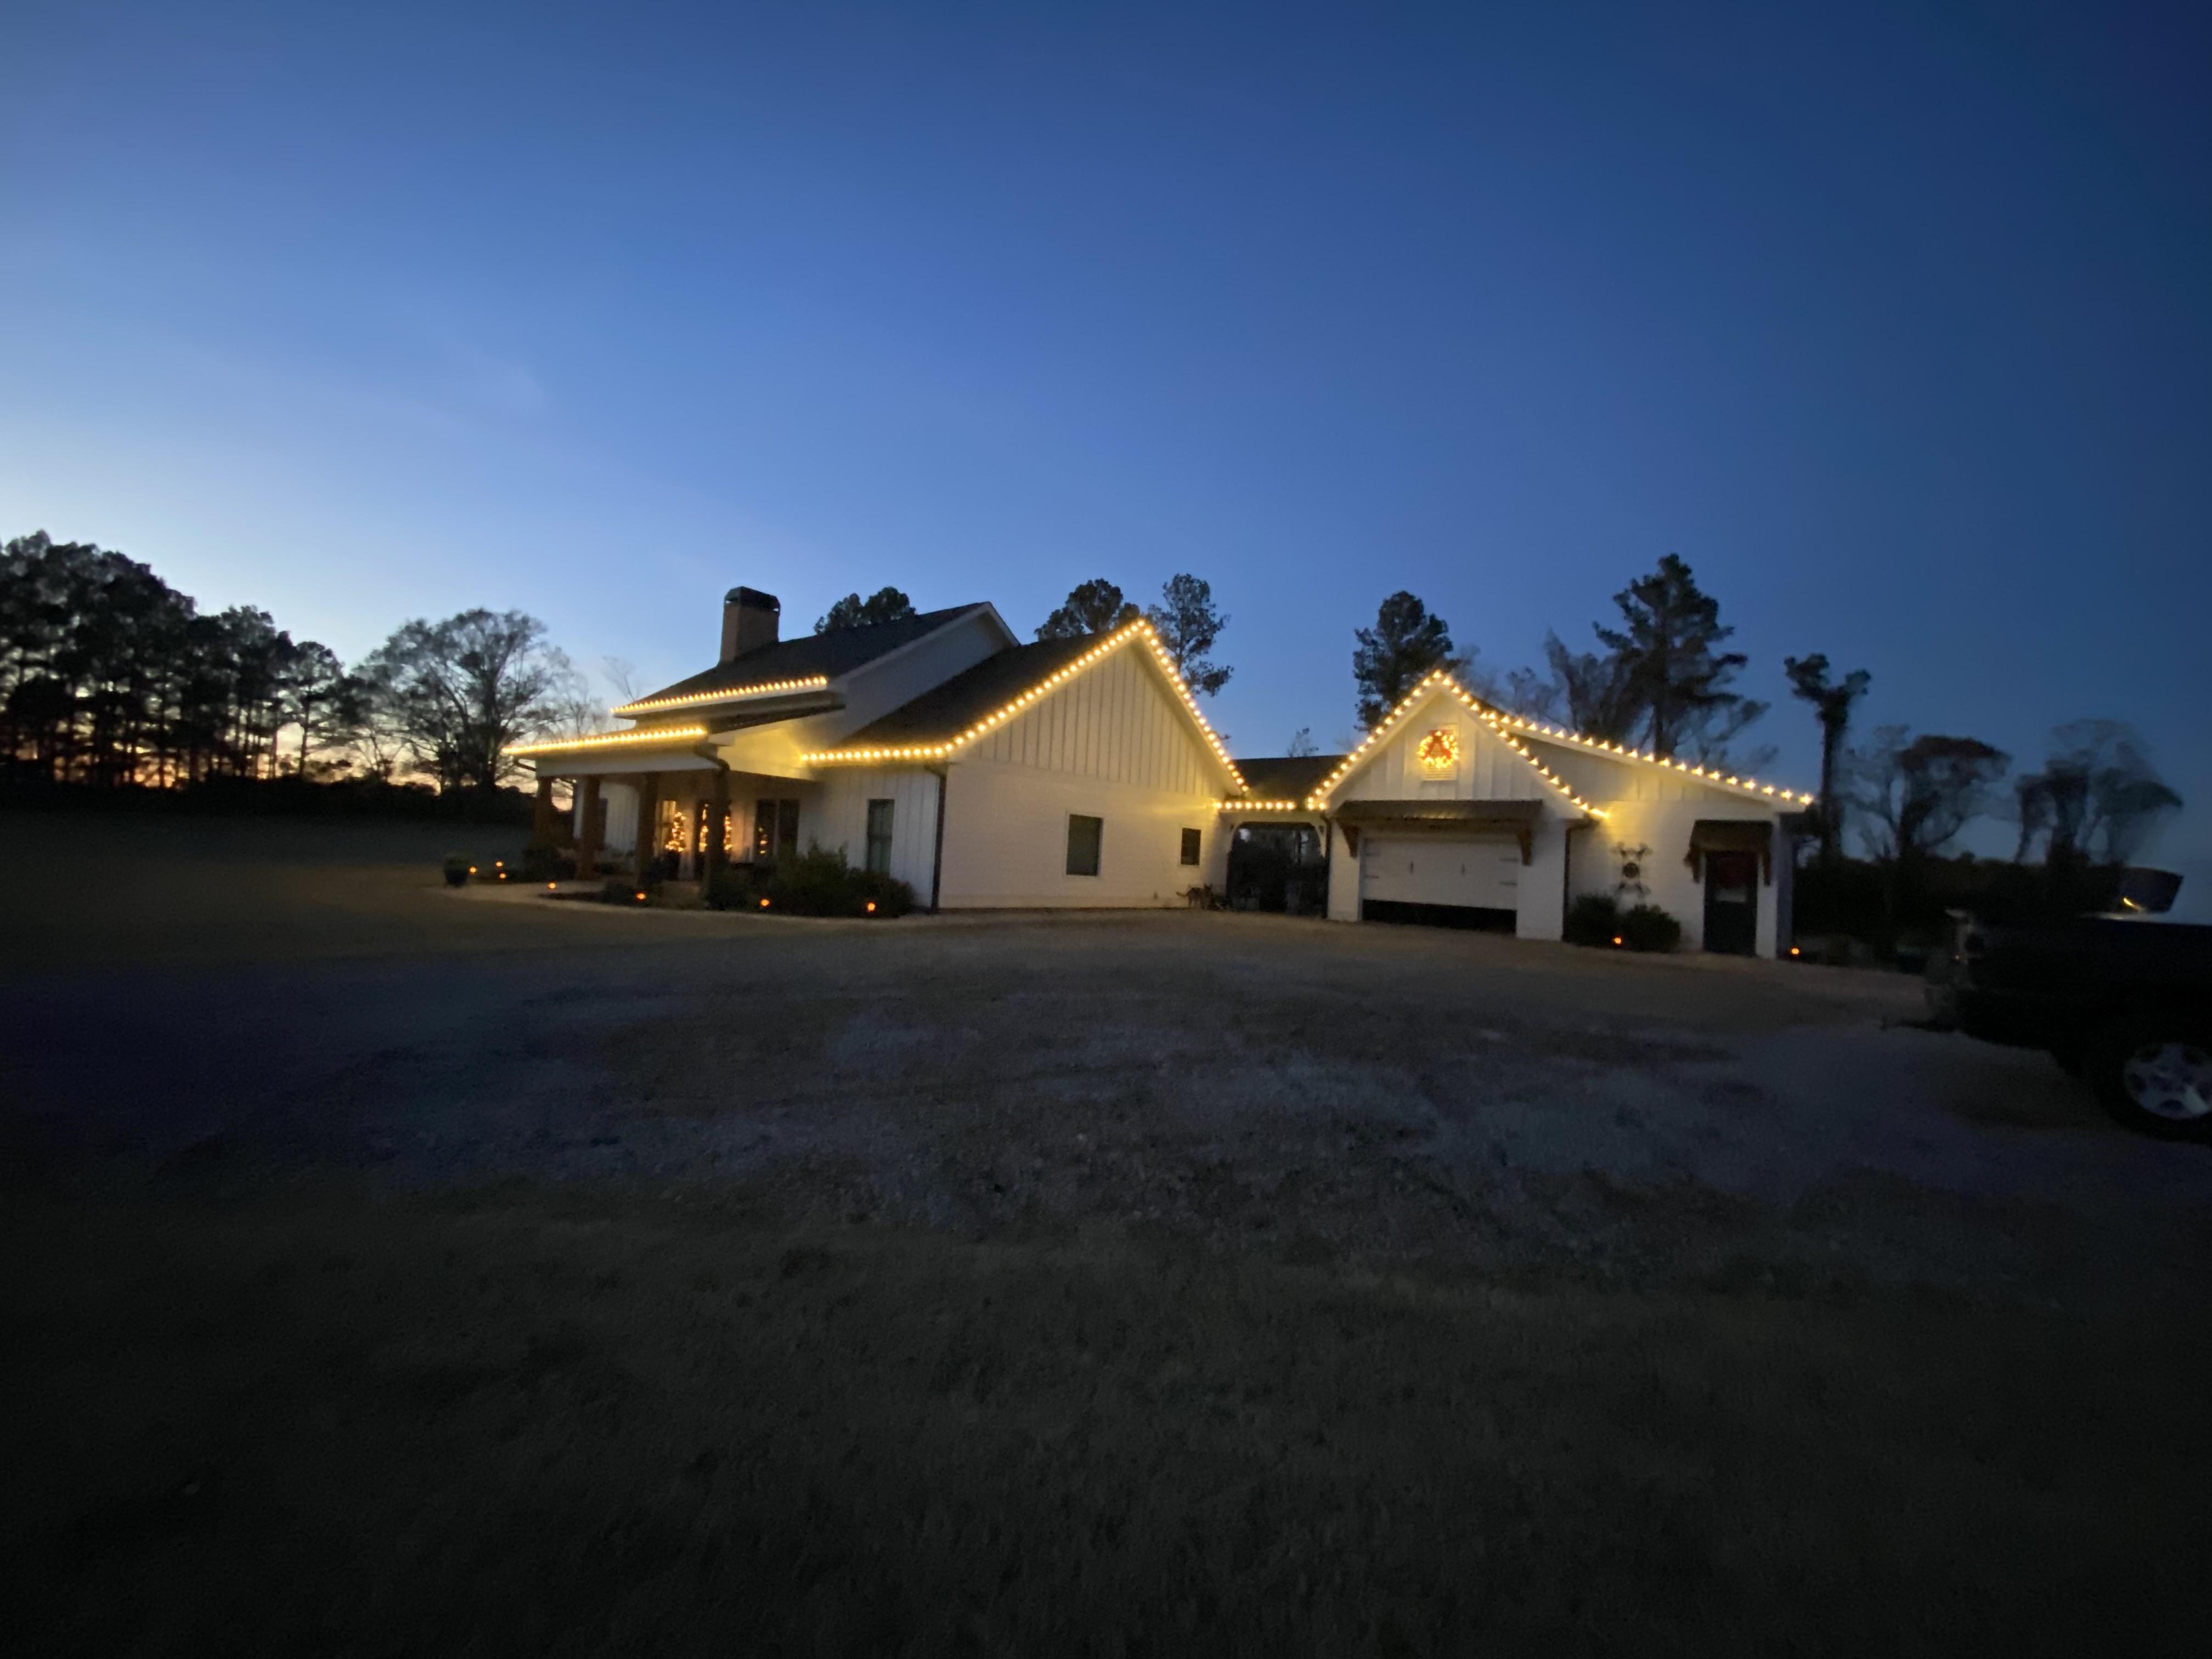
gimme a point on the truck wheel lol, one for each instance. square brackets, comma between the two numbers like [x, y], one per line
[2157, 1081]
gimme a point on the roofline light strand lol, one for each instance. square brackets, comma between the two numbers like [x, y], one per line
[614, 740]
[914, 751]
[1506, 725]
[766, 689]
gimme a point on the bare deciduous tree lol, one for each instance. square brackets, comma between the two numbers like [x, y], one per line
[1917, 794]
[2097, 796]
[460, 692]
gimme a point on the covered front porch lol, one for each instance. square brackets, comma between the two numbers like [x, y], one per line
[678, 816]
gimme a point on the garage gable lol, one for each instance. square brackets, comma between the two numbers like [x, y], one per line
[1574, 771]
[1441, 743]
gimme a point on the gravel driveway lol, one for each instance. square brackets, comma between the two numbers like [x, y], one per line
[1371, 1093]
[386, 1270]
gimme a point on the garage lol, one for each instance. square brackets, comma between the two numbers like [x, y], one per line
[1440, 879]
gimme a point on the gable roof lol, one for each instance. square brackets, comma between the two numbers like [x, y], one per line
[1289, 778]
[1513, 730]
[1711, 777]
[807, 663]
[944, 711]
[946, 717]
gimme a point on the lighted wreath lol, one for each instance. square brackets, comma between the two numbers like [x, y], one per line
[1439, 751]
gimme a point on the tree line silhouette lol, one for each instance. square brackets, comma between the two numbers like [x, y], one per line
[1663, 681]
[111, 677]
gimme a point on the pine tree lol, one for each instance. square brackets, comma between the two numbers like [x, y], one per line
[1404, 644]
[885, 604]
[1094, 607]
[1667, 644]
[1187, 624]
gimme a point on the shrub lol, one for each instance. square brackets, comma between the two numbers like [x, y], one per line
[544, 864]
[621, 889]
[457, 869]
[1594, 919]
[814, 883]
[732, 887]
[1647, 927]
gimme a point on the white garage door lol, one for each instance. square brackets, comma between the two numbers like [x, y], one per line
[1483, 872]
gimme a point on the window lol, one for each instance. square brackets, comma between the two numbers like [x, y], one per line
[1084, 836]
[775, 829]
[879, 837]
[1190, 847]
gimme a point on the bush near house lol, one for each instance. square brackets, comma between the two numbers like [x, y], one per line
[1598, 919]
[814, 883]
[1593, 919]
[1647, 927]
[543, 863]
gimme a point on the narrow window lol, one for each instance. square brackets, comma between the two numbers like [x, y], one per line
[1190, 847]
[879, 837]
[1084, 836]
[775, 829]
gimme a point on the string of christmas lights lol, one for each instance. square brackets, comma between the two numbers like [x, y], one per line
[614, 740]
[766, 689]
[1509, 725]
[1028, 699]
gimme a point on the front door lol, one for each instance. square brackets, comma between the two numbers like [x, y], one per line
[1732, 902]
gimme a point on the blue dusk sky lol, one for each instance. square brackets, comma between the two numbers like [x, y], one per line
[1896, 322]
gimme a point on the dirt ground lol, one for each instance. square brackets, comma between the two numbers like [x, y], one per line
[391, 1270]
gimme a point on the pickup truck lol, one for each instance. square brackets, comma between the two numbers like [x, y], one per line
[2122, 1000]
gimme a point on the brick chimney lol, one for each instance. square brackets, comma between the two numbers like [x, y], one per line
[750, 619]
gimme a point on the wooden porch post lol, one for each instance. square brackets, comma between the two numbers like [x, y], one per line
[718, 821]
[541, 833]
[648, 815]
[587, 829]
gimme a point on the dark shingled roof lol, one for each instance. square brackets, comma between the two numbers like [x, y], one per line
[840, 651]
[1287, 777]
[944, 712]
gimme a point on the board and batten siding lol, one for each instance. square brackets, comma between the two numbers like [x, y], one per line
[1488, 769]
[1111, 744]
[1654, 809]
[840, 819]
[620, 800]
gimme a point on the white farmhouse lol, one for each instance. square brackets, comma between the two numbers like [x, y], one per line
[1456, 812]
[1080, 773]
